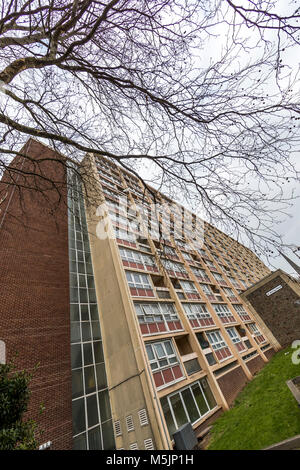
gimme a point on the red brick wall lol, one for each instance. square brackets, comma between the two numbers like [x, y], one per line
[255, 364]
[278, 311]
[232, 383]
[34, 292]
[269, 353]
[208, 422]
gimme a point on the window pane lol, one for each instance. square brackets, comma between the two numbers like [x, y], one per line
[79, 442]
[76, 359]
[83, 296]
[98, 352]
[78, 416]
[150, 352]
[168, 347]
[192, 366]
[96, 330]
[89, 378]
[101, 376]
[190, 405]
[108, 436]
[92, 410]
[73, 294]
[77, 383]
[159, 350]
[84, 312]
[87, 354]
[75, 332]
[92, 295]
[82, 281]
[208, 393]
[73, 280]
[104, 406]
[74, 312]
[86, 331]
[94, 436]
[90, 282]
[178, 409]
[199, 399]
[168, 416]
[94, 312]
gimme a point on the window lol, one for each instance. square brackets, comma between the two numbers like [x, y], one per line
[139, 284]
[168, 250]
[134, 259]
[259, 338]
[192, 366]
[198, 315]
[242, 312]
[175, 269]
[187, 405]
[224, 313]
[164, 363]
[235, 338]
[210, 264]
[208, 292]
[229, 293]
[190, 289]
[234, 282]
[200, 274]
[219, 278]
[92, 423]
[131, 256]
[149, 262]
[126, 238]
[186, 256]
[129, 224]
[157, 317]
[218, 345]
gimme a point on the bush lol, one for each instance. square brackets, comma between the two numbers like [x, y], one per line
[15, 433]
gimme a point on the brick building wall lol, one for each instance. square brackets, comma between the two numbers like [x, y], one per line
[279, 311]
[269, 353]
[34, 288]
[208, 422]
[232, 383]
[255, 364]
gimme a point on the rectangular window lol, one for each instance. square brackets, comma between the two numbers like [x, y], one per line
[200, 274]
[218, 344]
[155, 318]
[259, 338]
[164, 363]
[198, 315]
[236, 339]
[174, 269]
[242, 312]
[139, 284]
[190, 290]
[126, 236]
[188, 405]
[224, 313]
[219, 278]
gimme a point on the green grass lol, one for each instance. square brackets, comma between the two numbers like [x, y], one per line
[264, 413]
